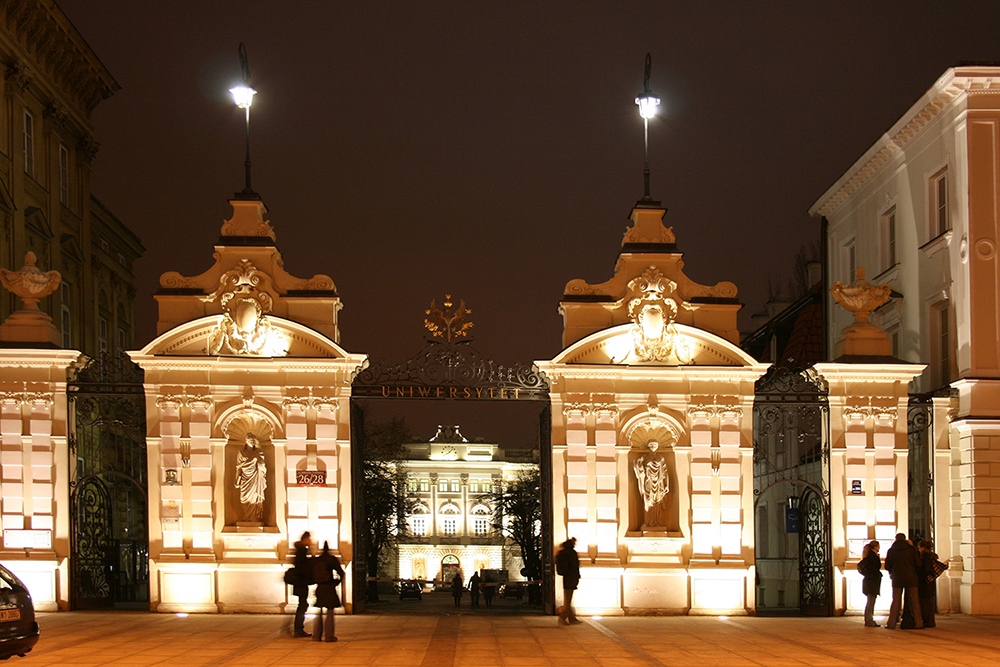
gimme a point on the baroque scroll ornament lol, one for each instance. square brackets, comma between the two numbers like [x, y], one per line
[245, 328]
[653, 314]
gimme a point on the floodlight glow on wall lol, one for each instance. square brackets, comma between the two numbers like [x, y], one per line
[647, 109]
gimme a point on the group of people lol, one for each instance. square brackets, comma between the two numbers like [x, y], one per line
[911, 569]
[476, 586]
[325, 571]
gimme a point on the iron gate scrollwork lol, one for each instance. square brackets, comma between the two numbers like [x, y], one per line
[791, 493]
[109, 562]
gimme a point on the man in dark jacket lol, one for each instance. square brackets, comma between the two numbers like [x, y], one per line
[568, 565]
[303, 575]
[902, 562]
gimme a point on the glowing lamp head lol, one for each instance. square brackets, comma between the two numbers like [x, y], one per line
[243, 96]
[647, 104]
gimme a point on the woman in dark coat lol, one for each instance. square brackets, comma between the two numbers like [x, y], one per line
[927, 590]
[870, 568]
[325, 566]
[303, 575]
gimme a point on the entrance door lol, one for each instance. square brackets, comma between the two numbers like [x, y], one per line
[814, 555]
[449, 568]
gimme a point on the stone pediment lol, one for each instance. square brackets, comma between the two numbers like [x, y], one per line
[649, 257]
[690, 347]
[290, 340]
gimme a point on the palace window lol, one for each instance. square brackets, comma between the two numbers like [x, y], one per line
[481, 525]
[940, 315]
[449, 526]
[887, 225]
[473, 486]
[66, 319]
[63, 175]
[442, 486]
[418, 524]
[455, 486]
[29, 144]
[102, 334]
[411, 484]
[939, 214]
[425, 485]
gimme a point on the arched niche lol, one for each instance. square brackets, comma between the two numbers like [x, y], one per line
[236, 428]
[637, 432]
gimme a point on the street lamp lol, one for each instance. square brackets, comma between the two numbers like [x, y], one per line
[243, 96]
[647, 109]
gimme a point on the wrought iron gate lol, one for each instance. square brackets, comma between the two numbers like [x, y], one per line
[109, 560]
[791, 492]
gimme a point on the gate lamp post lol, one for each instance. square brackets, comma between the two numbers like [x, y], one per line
[647, 109]
[243, 96]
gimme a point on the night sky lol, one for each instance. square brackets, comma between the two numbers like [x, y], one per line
[493, 150]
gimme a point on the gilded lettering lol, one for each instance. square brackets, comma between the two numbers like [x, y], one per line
[517, 392]
[424, 391]
[452, 392]
[479, 392]
[438, 392]
[468, 394]
[385, 391]
[400, 391]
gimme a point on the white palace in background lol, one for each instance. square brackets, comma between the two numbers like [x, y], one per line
[651, 462]
[451, 525]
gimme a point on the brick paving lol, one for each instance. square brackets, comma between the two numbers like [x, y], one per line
[468, 639]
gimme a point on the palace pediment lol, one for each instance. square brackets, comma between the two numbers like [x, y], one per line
[281, 339]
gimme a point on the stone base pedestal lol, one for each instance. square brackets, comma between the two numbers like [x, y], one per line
[26, 326]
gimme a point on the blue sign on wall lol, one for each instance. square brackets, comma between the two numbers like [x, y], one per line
[791, 520]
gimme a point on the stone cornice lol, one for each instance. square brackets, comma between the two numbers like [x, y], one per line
[48, 42]
[948, 90]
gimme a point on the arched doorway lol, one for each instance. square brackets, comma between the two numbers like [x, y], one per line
[450, 566]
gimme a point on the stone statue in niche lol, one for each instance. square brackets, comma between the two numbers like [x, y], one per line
[654, 483]
[251, 480]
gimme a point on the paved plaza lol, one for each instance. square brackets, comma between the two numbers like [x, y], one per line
[506, 640]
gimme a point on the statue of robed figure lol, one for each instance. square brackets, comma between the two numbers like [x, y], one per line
[251, 479]
[654, 483]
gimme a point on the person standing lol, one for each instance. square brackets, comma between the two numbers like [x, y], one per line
[902, 562]
[456, 589]
[568, 565]
[927, 586]
[489, 587]
[870, 568]
[303, 577]
[474, 589]
[324, 567]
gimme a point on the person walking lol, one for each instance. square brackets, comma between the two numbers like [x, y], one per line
[456, 589]
[568, 565]
[474, 589]
[902, 562]
[303, 577]
[489, 587]
[870, 567]
[927, 585]
[328, 574]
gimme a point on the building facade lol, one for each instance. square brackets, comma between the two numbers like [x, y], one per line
[52, 82]
[919, 211]
[451, 528]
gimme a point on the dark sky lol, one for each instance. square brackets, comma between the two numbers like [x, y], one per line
[492, 150]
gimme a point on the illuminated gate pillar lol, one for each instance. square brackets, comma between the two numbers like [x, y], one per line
[245, 385]
[652, 435]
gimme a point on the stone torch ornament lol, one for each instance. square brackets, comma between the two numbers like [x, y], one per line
[30, 324]
[861, 337]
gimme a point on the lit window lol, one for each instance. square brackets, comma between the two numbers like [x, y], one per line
[454, 486]
[411, 484]
[425, 485]
[442, 485]
[449, 526]
[888, 233]
[63, 175]
[481, 526]
[474, 486]
[29, 144]
[939, 213]
[418, 525]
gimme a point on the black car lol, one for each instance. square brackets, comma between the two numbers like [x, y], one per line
[18, 629]
[410, 589]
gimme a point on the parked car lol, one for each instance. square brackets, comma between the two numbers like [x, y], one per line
[512, 590]
[411, 589]
[18, 629]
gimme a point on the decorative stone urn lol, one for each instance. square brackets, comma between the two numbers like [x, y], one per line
[30, 324]
[861, 337]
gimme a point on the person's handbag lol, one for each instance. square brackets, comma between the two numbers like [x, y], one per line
[292, 577]
[937, 567]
